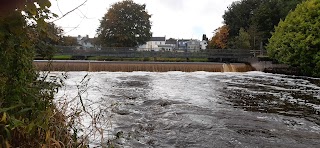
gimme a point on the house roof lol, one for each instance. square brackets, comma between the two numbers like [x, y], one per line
[171, 41]
[164, 46]
[184, 40]
[158, 39]
[84, 38]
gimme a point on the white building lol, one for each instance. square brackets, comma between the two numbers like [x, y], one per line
[203, 45]
[184, 45]
[153, 44]
[166, 47]
[85, 42]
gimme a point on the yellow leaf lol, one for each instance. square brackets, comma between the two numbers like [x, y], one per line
[47, 135]
[7, 144]
[4, 118]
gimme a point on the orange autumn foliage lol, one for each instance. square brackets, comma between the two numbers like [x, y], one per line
[220, 39]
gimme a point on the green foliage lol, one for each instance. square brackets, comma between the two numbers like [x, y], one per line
[28, 116]
[257, 17]
[296, 40]
[256, 37]
[126, 24]
[239, 15]
[270, 12]
[243, 40]
[62, 57]
[68, 41]
[47, 39]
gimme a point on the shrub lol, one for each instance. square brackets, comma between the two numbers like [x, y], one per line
[28, 115]
[296, 40]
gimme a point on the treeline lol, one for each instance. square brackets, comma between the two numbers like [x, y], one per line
[248, 23]
[296, 40]
[289, 30]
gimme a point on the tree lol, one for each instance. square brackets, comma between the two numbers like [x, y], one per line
[68, 41]
[243, 40]
[261, 14]
[46, 40]
[296, 40]
[255, 37]
[239, 15]
[219, 40]
[126, 24]
[269, 13]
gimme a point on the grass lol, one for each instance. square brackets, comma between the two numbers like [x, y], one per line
[151, 59]
[40, 123]
[62, 57]
[151, 67]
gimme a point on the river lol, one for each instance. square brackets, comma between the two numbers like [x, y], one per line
[198, 109]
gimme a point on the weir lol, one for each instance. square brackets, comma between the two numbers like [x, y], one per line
[96, 66]
[228, 68]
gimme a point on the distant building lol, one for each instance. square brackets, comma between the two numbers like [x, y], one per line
[170, 45]
[166, 47]
[182, 44]
[203, 45]
[193, 45]
[154, 44]
[85, 42]
[204, 42]
[172, 42]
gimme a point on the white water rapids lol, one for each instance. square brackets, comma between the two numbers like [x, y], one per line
[198, 109]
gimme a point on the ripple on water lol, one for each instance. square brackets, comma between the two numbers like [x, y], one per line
[202, 109]
[280, 94]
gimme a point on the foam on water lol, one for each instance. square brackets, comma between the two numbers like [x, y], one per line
[200, 109]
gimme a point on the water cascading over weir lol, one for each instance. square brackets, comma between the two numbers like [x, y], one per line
[96, 66]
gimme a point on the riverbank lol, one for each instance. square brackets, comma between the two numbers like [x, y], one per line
[269, 66]
[141, 59]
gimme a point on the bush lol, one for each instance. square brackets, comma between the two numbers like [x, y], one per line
[28, 115]
[296, 40]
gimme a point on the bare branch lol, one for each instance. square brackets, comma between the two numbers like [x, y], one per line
[70, 11]
[59, 7]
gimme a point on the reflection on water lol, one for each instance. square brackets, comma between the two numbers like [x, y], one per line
[202, 109]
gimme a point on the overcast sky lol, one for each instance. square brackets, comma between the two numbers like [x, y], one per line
[171, 18]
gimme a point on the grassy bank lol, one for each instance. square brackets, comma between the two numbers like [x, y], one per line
[62, 57]
[149, 59]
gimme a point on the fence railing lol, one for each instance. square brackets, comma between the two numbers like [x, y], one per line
[133, 53]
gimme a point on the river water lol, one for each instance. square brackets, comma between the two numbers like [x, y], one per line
[198, 109]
